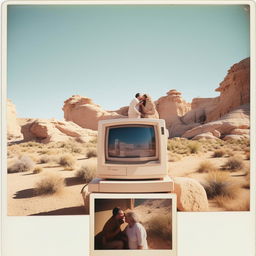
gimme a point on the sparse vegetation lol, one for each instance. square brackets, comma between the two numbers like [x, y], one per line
[172, 157]
[220, 183]
[37, 169]
[234, 163]
[194, 147]
[91, 152]
[67, 161]
[233, 205]
[21, 164]
[206, 166]
[87, 171]
[49, 185]
[219, 153]
[160, 226]
[44, 159]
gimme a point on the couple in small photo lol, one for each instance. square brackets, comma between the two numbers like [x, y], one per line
[142, 106]
[133, 237]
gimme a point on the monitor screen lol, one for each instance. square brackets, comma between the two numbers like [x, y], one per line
[127, 142]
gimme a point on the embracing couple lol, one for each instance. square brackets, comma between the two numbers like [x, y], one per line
[142, 106]
[133, 237]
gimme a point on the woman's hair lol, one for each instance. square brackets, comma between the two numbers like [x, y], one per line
[133, 216]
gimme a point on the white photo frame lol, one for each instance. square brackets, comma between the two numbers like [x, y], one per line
[126, 252]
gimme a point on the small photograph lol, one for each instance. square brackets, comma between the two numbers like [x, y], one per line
[133, 223]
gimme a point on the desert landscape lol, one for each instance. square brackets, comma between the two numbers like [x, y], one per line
[49, 161]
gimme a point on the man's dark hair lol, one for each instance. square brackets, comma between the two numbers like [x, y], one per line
[137, 95]
[116, 211]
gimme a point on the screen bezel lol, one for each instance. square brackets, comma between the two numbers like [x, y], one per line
[113, 160]
[150, 252]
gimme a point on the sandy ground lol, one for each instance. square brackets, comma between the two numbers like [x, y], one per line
[23, 202]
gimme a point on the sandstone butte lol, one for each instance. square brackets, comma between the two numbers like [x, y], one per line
[226, 116]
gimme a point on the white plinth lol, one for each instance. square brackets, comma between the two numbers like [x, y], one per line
[131, 186]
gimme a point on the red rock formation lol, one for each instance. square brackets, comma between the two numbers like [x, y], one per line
[84, 112]
[46, 131]
[234, 90]
[13, 127]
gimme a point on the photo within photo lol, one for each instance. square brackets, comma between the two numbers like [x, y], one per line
[133, 224]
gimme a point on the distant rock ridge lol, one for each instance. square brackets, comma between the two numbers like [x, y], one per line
[45, 131]
[226, 116]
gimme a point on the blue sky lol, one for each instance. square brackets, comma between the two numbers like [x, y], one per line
[108, 53]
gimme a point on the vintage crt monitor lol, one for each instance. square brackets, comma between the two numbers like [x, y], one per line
[132, 149]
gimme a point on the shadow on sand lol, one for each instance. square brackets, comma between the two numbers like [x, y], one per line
[26, 193]
[71, 181]
[76, 210]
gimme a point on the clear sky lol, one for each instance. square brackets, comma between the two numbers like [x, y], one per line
[108, 53]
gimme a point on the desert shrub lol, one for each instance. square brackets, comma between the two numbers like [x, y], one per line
[172, 157]
[68, 161]
[44, 159]
[220, 183]
[49, 185]
[87, 172]
[37, 169]
[206, 166]
[91, 152]
[229, 152]
[219, 153]
[178, 145]
[194, 147]
[234, 163]
[160, 226]
[233, 204]
[21, 164]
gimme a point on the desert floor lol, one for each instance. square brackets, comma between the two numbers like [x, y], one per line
[23, 201]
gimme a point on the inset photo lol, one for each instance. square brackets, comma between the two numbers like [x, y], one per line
[143, 222]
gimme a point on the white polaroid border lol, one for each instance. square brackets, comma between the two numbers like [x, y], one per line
[150, 252]
[198, 234]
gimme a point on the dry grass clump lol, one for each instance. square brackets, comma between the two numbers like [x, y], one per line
[21, 164]
[229, 152]
[206, 166]
[67, 161]
[49, 185]
[44, 159]
[220, 183]
[87, 172]
[234, 163]
[37, 169]
[219, 153]
[194, 147]
[183, 146]
[172, 157]
[160, 226]
[233, 205]
[91, 152]
[70, 146]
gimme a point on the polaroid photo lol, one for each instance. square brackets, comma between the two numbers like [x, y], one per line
[133, 224]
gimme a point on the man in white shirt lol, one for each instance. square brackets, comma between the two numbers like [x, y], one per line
[136, 233]
[133, 111]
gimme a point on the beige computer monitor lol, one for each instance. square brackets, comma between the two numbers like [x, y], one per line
[132, 149]
[156, 213]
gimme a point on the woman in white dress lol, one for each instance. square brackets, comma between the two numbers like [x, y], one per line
[136, 233]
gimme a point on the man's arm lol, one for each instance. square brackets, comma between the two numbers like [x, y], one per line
[108, 231]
